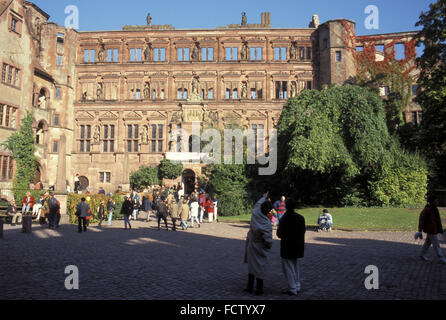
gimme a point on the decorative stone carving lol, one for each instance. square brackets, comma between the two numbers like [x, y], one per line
[244, 52]
[293, 51]
[42, 102]
[244, 91]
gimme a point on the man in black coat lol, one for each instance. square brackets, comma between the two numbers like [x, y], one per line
[163, 213]
[291, 231]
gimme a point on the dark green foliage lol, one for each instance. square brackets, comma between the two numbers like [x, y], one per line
[21, 145]
[169, 170]
[432, 93]
[335, 148]
[230, 184]
[145, 176]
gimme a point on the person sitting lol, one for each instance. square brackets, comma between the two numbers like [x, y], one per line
[27, 203]
[325, 221]
[12, 211]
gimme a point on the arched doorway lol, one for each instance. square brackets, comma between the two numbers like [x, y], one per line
[189, 179]
[84, 183]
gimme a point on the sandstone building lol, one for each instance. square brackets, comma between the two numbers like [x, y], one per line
[106, 103]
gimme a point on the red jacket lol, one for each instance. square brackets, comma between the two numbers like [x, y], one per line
[430, 221]
[210, 206]
[31, 201]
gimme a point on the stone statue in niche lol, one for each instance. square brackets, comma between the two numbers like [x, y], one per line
[149, 20]
[99, 91]
[101, 54]
[194, 86]
[293, 51]
[84, 96]
[244, 19]
[96, 135]
[42, 102]
[244, 52]
[244, 91]
[144, 135]
[293, 89]
[148, 52]
[194, 54]
[147, 91]
[176, 117]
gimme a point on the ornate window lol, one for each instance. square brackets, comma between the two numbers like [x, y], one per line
[108, 138]
[157, 137]
[132, 138]
[85, 138]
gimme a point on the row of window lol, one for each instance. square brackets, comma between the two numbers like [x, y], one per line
[208, 94]
[207, 54]
[135, 135]
[10, 75]
[6, 167]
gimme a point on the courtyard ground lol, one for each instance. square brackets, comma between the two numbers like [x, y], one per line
[207, 264]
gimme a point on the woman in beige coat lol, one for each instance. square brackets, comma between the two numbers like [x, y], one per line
[184, 214]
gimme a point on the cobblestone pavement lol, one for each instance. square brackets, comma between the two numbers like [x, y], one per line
[207, 264]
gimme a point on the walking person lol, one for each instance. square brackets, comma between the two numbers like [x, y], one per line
[82, 210]
[111, 206]
[291, 231]
[54, 207]
[184, 213]
[163, 213]
[147, 206]
[210, 207]
[127, 210]
[280, 207]
[173, 209]
[101, 213]
[258, 244]
[202, 205]
[194, 207]
[216, 204]
[430, 223]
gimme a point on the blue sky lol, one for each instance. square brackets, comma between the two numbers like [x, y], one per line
[394, 15]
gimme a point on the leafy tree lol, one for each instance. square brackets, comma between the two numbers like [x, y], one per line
[334, 144]
[145, 176]
[21, 145]
[170, 170]
[432, 93]
[230, 183]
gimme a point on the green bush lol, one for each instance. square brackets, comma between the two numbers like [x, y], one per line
[145, 176]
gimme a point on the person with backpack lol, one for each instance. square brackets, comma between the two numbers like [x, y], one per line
[127, 210]
[54, 207]
[82, 211]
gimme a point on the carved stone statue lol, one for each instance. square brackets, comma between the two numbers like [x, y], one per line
[244, 19]
[244, 91]
[149, 20]
[147, 91]
[101, 54]
[194, 86]
[144, 135]
[84, 96]
[96, 135]
[194, 54]
[42, 102]
[148, 53]
[293, 51]
[244, 52]
[99, 91]
[176, 117]
[293, 89]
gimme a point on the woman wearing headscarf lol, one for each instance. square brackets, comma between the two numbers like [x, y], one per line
[258, 244]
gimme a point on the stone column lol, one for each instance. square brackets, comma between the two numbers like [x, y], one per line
[61, 180]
